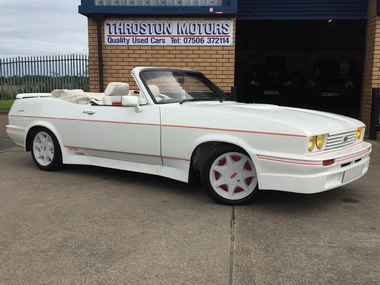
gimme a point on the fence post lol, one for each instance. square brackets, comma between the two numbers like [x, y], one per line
[375, 108]
[1, 81]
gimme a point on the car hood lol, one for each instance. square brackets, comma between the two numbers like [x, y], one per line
[256, 117]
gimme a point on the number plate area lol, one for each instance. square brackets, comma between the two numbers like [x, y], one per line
[271, 92]
[352, 173]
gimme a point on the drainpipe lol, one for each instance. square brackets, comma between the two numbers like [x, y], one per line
[99, 20]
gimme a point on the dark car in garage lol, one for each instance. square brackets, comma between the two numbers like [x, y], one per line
[269, 83]
[334, 86]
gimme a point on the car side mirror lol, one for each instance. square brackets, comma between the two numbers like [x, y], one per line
[131, 101]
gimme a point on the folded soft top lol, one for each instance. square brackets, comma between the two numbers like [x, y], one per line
[78, 96]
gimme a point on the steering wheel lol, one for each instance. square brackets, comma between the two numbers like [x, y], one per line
[164, 97]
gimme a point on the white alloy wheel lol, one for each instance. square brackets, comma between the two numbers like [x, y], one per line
[233, 176]
[43, 148]
[230, 176]
[46, 151]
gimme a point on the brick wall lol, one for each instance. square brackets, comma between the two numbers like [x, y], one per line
[216, 62]
[372, 61]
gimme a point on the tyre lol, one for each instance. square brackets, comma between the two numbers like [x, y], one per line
[46, 152]
[229, 176]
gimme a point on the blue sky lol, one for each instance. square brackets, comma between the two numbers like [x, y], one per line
[42, 27]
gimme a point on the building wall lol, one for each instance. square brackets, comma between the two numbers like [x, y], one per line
[372, 62]
[216, 62]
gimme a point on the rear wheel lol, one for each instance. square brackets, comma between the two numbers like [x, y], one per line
[229, 176]
[46, 152]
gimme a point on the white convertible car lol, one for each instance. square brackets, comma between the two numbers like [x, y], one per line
[177, 122]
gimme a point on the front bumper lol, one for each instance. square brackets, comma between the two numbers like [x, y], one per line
[309, 175]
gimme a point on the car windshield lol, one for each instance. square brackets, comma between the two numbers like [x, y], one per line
[334, 68]
[173, 86]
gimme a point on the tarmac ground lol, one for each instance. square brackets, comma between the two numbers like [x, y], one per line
[90, 225]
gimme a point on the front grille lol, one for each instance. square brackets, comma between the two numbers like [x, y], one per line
[340, 140]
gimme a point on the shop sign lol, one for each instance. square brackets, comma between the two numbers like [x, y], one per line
[166, 33]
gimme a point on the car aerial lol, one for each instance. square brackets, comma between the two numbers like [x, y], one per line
[176, 122]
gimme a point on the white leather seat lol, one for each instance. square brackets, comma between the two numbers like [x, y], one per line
[114, 91]
[155, 92]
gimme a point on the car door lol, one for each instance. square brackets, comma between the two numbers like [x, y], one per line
[120, 133]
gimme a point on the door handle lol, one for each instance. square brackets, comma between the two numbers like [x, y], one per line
[89, 112]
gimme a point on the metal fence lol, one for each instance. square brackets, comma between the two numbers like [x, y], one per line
[40, 74]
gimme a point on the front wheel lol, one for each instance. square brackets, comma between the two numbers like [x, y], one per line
[229, 176]
[46, 152]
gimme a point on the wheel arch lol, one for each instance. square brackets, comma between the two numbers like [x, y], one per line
[36, 127]
[200, 153]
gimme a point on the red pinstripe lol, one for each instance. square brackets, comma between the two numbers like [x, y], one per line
[167, 126]
[73, 148]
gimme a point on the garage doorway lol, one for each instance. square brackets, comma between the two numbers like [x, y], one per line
[301, 63]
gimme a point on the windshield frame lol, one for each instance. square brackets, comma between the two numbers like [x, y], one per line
[217, 93]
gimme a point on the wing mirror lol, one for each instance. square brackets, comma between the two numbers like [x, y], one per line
[131, 101]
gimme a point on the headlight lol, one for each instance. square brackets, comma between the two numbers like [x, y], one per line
[316, 143]
[310, 83]
[359, 133]
[349, 84]
[311, 144]
[320, 141]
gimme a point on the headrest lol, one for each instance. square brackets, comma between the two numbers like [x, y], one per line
[154, 89]
[117, 89]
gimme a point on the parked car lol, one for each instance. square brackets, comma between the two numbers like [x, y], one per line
[333, 85]
[269, 83]
[177, 122]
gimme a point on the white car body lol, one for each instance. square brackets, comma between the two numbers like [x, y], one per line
[168, 139]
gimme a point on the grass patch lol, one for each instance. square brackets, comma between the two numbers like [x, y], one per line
[6, 104]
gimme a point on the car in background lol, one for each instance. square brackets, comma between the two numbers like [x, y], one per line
[333, 86]
[269, 83]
